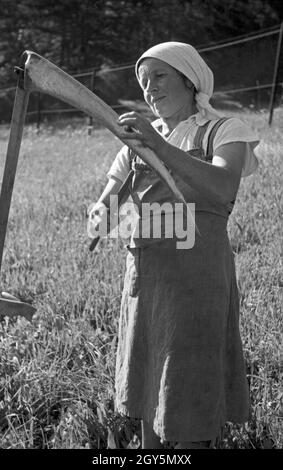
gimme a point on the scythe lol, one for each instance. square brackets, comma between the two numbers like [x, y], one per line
[40, 75]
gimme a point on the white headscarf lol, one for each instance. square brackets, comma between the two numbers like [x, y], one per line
[185, 58]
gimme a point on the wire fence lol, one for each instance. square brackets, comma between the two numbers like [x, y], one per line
[248, 72]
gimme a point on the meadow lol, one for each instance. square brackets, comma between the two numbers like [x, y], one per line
[57, 372]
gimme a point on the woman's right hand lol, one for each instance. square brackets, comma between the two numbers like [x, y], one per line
[98, 220]
[98, 212]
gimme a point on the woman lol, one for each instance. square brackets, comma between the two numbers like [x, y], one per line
[180, 366]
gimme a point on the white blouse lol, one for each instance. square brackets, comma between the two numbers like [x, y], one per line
[231, 131]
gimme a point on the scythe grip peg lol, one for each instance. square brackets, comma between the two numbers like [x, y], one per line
[21, 77]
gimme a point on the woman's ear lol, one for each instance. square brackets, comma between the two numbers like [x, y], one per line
[189, 84]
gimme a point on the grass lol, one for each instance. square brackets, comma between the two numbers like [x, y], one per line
[57, 372]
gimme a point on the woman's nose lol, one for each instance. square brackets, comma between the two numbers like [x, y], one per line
[151, 86]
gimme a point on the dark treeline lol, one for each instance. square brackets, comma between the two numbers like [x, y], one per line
[83, 34]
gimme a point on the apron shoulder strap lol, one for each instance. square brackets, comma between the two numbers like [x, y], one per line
[209, 149]
[201, 130]
[212, 134]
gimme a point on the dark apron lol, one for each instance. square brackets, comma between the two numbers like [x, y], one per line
[179, 361]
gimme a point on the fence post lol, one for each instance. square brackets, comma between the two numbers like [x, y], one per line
[275, 75]
[38, 114]
[258, 103]
[90, 120]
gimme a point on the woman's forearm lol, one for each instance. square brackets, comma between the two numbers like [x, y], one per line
[112, 187]
[219, 181]
[214, 181]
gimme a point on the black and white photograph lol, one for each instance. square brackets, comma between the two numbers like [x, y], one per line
[141, 281]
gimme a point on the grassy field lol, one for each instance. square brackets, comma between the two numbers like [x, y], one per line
[57, 372]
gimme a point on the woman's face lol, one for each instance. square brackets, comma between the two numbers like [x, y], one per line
[165, 90]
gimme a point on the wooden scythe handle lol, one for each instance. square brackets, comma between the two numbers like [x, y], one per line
[16, 131]
[9, 305]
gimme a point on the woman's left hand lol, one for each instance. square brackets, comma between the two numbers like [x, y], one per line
[139, 128]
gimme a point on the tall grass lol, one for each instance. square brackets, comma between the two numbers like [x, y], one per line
[57, 372]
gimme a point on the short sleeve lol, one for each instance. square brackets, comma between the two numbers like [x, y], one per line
[121, 165]
[234, 130]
